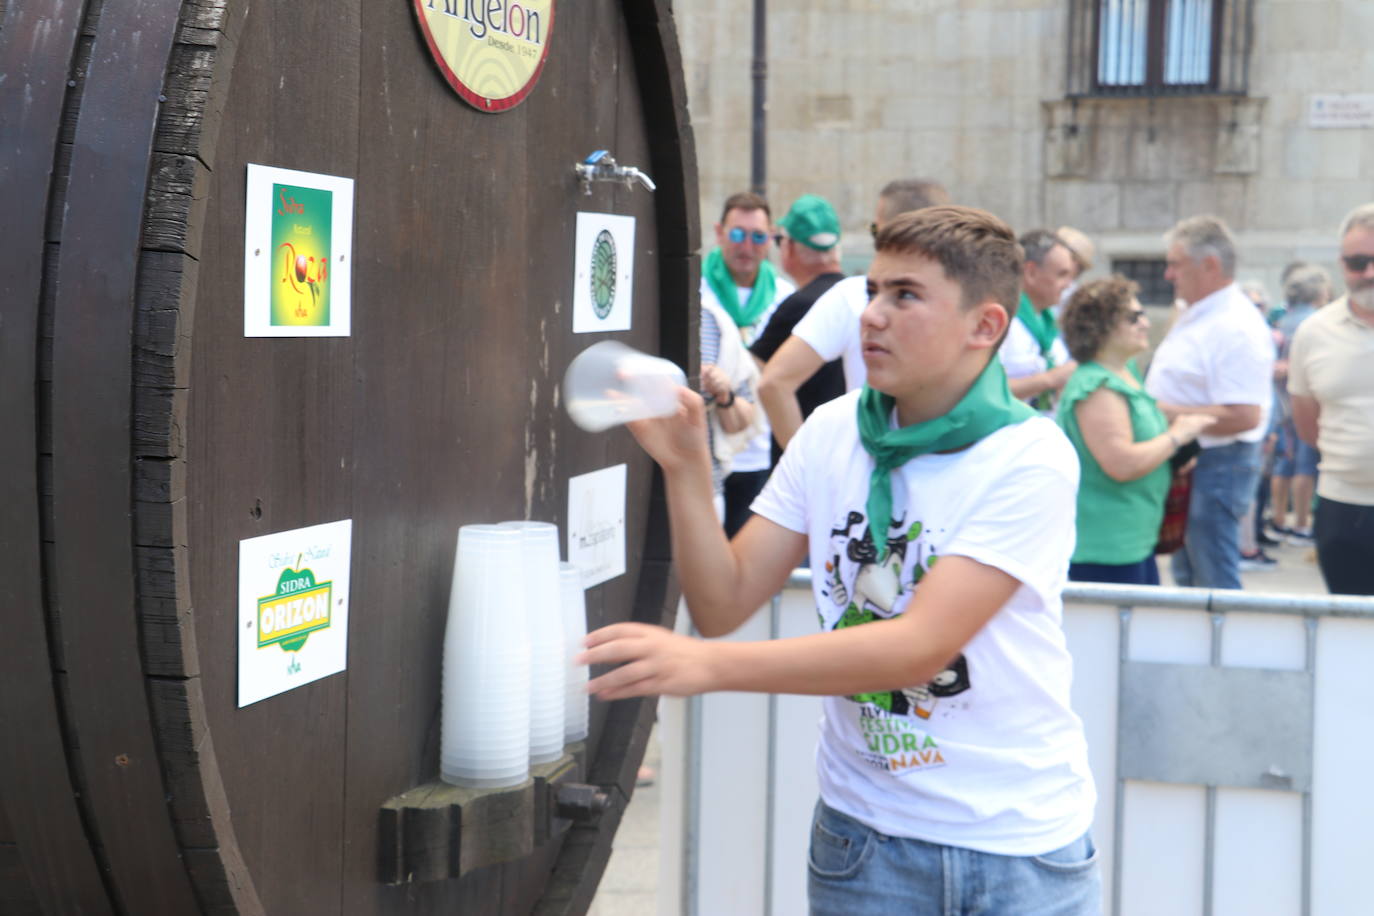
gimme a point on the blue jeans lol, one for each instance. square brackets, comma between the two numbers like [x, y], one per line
[1292, 456]
[856, 871]
[1224, 484]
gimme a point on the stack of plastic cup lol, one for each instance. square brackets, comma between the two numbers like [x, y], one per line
[574, 630]
[485, 730]
[544, 605]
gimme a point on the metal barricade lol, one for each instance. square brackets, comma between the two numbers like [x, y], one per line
[1220, 721]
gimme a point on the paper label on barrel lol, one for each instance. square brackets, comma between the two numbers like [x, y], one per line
[596, 524]
[490, 51]
[603, 272]
[298, 231]
[293, 608]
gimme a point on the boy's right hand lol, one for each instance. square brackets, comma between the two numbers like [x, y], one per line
[678, 440]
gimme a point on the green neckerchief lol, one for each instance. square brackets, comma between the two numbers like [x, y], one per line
[985, 408]
[725, 288]
[1043, 329]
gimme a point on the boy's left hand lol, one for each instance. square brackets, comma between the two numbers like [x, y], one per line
[652, 660]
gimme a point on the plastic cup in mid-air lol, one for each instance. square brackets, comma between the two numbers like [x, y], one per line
[609, 383]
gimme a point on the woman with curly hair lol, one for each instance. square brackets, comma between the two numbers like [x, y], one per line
[1124, 441]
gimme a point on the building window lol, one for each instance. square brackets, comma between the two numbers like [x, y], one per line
[1148, 274]
[1159, 47]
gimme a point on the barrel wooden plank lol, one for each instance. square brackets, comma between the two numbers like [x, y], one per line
[196, 84]
[46, 863]
[443, 180]
[658, 64]
[16, 896]
[269, 447]
[92, 469]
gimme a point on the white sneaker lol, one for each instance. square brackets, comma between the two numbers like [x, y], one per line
[1300, 537]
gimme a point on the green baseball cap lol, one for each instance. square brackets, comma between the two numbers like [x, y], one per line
[812, 221]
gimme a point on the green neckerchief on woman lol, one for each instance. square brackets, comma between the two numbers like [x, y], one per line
[985, 408]
[723, 284]
[1044, 330]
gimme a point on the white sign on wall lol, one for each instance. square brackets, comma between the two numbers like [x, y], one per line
[1345, 110]
[603, 272]
[293, 608]
[596, 524]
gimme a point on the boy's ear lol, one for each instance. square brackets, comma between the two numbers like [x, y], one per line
[990, 325]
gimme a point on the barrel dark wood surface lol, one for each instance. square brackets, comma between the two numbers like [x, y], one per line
[146, 436]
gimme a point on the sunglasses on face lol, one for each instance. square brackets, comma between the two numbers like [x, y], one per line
[1135, 316]
[738, 235]
[1357, 263]
[873, 229]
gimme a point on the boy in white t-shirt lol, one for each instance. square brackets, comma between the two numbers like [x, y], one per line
[937, 512]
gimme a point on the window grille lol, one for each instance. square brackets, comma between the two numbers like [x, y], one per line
[1159, 47]
[1148, 274]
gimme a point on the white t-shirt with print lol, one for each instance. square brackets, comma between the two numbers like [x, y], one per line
[831, 328]
[988, 755]
[758, 455]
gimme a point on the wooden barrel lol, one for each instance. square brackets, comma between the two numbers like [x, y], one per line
[146, 436]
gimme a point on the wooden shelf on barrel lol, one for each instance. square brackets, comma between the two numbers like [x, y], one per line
[438, 831]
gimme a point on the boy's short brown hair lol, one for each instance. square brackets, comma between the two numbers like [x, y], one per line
[976, 249]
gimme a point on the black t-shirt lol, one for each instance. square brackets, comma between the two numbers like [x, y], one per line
[828, 382]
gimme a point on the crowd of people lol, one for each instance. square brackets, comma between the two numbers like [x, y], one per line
[1210, 431]
[957, 433]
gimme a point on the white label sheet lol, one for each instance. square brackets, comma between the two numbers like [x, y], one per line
[297, 254]
[603, 272]
[293, 608]
[596, 524]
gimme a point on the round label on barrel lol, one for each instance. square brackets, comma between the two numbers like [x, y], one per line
[603, 274]
[490, 51]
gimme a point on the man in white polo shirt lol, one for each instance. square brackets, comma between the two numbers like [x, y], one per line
[1331, 384]
[1217, 359]
[830, 330]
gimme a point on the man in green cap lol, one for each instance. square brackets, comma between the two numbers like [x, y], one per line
[938, 514]
[740, 290]
[809, 248]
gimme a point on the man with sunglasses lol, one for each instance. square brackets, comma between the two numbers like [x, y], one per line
[1333, 409]
[1217, 359]
[737, 277]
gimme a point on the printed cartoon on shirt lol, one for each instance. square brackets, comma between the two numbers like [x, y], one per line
[861, 588]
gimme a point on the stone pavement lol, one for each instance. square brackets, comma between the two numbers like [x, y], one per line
[629, 886]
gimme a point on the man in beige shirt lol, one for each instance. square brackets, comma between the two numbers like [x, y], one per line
[1331, 382]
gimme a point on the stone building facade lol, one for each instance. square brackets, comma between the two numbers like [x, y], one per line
[1002, 101]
